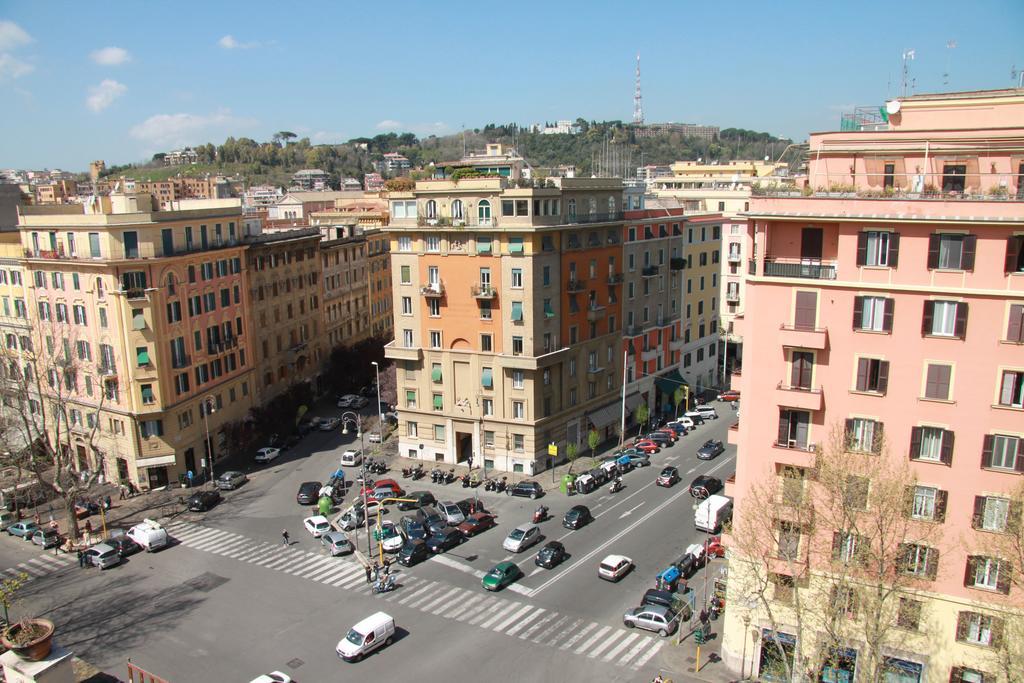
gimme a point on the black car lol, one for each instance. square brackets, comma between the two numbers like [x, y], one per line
[704, 486]
[660, 438]
[551, 555]
[291, 441]
[526, 489]
[309, 493]
[668, 601]
[204, 500]
[576, 517]
[445, 539]
[431, 519]
[123, 545]
[413, 528]
[711, 449]
[413, 552]
[422, 498]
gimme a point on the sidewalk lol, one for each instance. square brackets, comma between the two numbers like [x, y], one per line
[680, 660]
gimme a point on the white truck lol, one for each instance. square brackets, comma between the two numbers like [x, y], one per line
[712, 513]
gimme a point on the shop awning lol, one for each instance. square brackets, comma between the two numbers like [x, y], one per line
[602, 417]
[487, 378]
[483, 246]
[669, 382]
[438, 402]
[632, 401]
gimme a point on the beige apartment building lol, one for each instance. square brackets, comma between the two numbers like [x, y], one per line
[346, 309]
[723, 187]
[284, 277]
[139, 317]
[508, 335]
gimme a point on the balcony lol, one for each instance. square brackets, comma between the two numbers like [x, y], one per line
[395, 352]
[734, 257]
[574, 286]
[798, 397]
[650, 354]
[803, 337]
[793, 453]
[730, 483]
[649, 271]
[677, 263]
[594, 369]
[181, 360]
[594, 217]
[676, 344]
[134, 294]
[107, 370]
[524, 362]
[433, 290]
[732, 296]
[632, 331]
[615, 278]
[799, 268]
[595, 312]
[483, 292]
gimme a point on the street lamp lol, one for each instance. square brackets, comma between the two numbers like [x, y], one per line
[380, 415]
[206, 407]
[358, 420]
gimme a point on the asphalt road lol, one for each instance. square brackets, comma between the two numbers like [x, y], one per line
[229, 601]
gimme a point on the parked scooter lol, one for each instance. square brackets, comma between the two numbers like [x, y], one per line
[417, 472]
[449, 477]
[406, 472]
[540, 514]
[384, 585]
[490, 485]
[465, 481]
[616, 485]
[501, 485]
[435, 475]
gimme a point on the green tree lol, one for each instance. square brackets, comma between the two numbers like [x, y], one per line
[571, 451]
[593, 440]
[8, 593]
[642, 414]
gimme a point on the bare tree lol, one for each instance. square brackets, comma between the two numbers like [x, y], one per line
[53, 395]
[828, 558]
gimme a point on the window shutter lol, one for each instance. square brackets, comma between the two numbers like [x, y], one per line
[978, 516]
[956, 674]
[960, 326]
[837, 544]
[858, 312]
[794, 375]
[848, 435]
[986, 450]
[970, 246]
[883, 376]
[941, 500]
[1015, 328]
[862, 248]
[862, 374]
[931, 563]
[915, 442]
[947, 447]
[879, 438]
[1018, 464]
[997, 632]
[894, 249]
[783, 427]
[890, 309]
[908, 501]
[1003, 579]
[1013, 246]
[927, 318]
[969, 570]
[933, 251]
[1007, 386]
[962, 619]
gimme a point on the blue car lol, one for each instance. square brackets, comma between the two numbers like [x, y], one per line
[23, 529]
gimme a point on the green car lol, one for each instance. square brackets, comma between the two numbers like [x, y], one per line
[503, 574]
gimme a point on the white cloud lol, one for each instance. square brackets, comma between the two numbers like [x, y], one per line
[12, 36]
[11, 67]
[176, 130]
[322, 136]
[229, 42]
[388, 124]
[111, 56]
[103, 95]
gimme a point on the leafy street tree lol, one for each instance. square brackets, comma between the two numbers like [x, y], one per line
[835, 553]
[642, 414]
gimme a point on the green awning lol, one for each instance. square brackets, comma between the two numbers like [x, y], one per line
[143, 356]
[515, 245]
[483, 246]
[410, 397]
[435, 374]
[487, 378]
[669, 382]
[548, 311]
[517, 311]
[147, 393]
[438, 402]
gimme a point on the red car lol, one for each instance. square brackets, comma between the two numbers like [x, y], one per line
[381, 484]
[729, 395]
[475, 523]
[715, 547]
[646, 446]
[671, 432]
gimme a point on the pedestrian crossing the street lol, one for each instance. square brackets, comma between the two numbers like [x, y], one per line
[38, 567]
[514, 619]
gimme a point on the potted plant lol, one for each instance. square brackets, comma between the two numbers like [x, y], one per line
[30, 639]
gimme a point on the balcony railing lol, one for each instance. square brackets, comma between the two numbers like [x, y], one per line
[632, 330]
[181, 361]
[573, 286]
[432, 290]
[797, 268]
[595, 312]
[594, 217]
[615, 278]
[732, 296]
[594, 369]
[483, 291]
[649, 271]
[135, 293]
[794, 445]
[752, 267]
[677, 263]
[107, 370]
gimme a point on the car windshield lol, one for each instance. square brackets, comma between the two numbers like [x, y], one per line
[517, 534]
[666, 472]
[354, 637]
[390, 532]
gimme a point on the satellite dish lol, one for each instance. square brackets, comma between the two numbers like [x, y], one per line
[892, 107]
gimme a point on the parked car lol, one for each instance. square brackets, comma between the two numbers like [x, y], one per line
[346, 400]
[121, 543]
[47, 538]
[231, 480]
[330, 424]
[694, 416]
[476, 523]
[614, 567]
[679, 427]
[291, 441]
[577, 517]
[374, 437]
[309, 493]
[413, 552]
[266, 454]
[661, 438]
[390, 484]
[521, 538]
[657, 618]
[704, 486]
[444, 539]
[687, 422]
[103, 556]
[204, 500]
[708, 412]
[317, 525]
[390, 537]
[359, 402]
[729, 395]
[150, 535]
[413, 528]
[527, 489]
[668, 477]
[667, 600]
[503, 574]
[273, 677]
[551, 555]
[352, 518]
[710, 450]
[452, 513]
[369, 391]
[647, 446]
[23, 529]
[422, 499]
[352, 458]
[432, 519]
[639, 459]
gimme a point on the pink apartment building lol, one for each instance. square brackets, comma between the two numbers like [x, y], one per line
[889, 298]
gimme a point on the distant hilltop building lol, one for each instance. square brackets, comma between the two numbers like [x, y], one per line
[688, 130]
[373, 182]
[351, 184]
[262, 196]
[560, 128]
[311, 179]
[494, 160]
[394, 164]
[181, 157]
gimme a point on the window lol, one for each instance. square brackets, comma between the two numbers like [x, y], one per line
[845, 547]
[1011, 391]
[908, 615]
[150, 428]
[435, 339]
[1015, 324]
[937, 383]
[508, 207]
[410, 398]
[517, 443]
[433, 243]
[789, 541]
[944, 319]
[976, 629]
[434, 308]
[518, 379]
[515, 245]
[1002, 452]
[94, 245]
[855, 494]
[438, 432]
[489, 439]
[487, 378]
[488, 407]
[517, 311]
[407, 340]
[873, 313]
[793, 429]
[412, 429]
[485, 310]
[863, 436]
[954, 177]
[438, 402]
[802, 370]
[1015, 244]
[805, 316]
[987, 572]
[878, 248]
[518, 410]
[485, 343]
[517, 278]
[919, 560]
[406, 276]
[951, 252]
[872, 375]
[404, 242]
[928, 503]
[147, 394]
[406, 305]
[517, 346]
[990, 513]
[931, 444]
[436, 374]
[483, 212]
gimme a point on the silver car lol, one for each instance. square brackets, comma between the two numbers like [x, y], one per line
[102, 555]
[655, 618]
[231, 480]
[452, 513]
[521, 538]
[336, 543]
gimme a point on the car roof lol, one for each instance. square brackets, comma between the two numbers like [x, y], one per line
[504, 566]
[310, 483]
[335, 536]
[554, 544]
[316, 519]
[657, 609]
[527, 526]
[615, 559]
[579, 508]
[101, 548]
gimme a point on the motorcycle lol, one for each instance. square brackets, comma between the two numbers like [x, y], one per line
[501, 485]
[450, 476]
[384, 585]
[435, 475]
[489, 485]
[465, 481]
[616, 486]
[406, 472]
[714, 609]
[540, 514]
[379, 467]
[417, 473]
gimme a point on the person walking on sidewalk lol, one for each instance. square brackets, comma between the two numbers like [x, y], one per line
[124, 492]
[284, 537]
[81, 558]
[369, 574]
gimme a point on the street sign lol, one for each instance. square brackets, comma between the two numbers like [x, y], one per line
[552, 449]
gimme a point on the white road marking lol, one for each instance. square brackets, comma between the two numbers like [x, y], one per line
[461, 608]
[636, 649]
[425, 588]
[631, 510]
[550, 629]
[427, 607]
[593, 639]
[428, 594]
[549, 617]
[515, 615]
[572, 641]
[524, 621]
[613, 653]
[605, 643]
[536, 571]
[497, 615]
[650, 653]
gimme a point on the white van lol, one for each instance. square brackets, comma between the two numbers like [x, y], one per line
[150, 535]
[712, 513]
[366, 636]
[707, 412]
[351, 458]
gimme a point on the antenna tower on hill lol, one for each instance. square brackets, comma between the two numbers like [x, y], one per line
[638, 101]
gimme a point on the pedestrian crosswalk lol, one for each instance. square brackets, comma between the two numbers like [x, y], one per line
[38, 567]
[524, 621]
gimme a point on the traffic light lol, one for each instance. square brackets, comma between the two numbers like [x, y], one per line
[698, 636]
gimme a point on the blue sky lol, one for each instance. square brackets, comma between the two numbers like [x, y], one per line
[120, 81]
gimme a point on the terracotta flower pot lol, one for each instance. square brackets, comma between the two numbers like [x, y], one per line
[30, 639]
